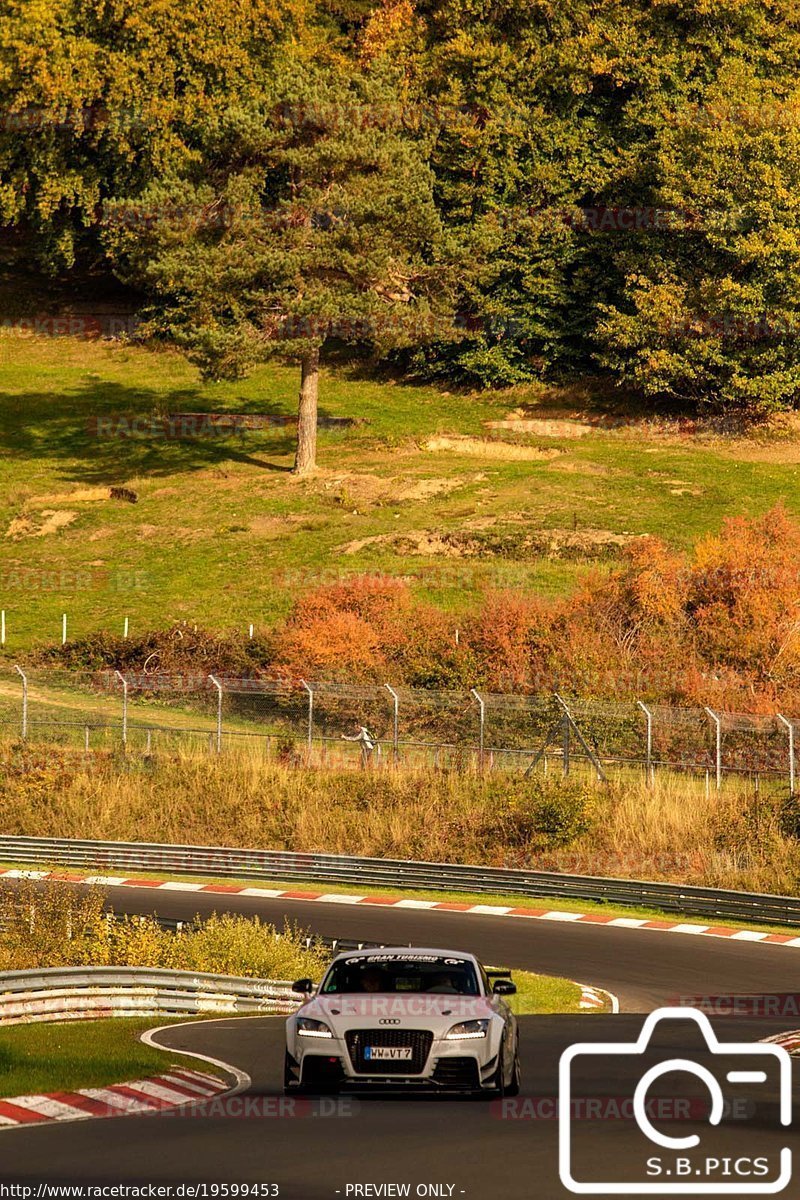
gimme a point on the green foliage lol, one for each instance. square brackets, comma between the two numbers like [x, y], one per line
[65, 926]
[541, 813]
[444, 163]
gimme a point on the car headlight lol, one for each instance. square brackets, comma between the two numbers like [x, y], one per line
[467, 1029]
[309, 1028]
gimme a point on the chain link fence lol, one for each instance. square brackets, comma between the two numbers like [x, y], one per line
[380, 725]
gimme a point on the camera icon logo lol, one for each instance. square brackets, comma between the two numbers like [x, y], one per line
[679, 1165]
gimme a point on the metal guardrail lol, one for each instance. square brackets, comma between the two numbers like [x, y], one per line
[393, 873]
[69, 993]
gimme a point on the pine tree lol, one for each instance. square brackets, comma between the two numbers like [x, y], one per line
[305, 220]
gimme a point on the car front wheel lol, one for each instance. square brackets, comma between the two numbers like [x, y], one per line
[512, 1088]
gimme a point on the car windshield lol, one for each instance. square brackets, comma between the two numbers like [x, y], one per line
[399, 973]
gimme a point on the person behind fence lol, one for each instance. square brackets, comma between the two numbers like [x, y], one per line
[367, 741]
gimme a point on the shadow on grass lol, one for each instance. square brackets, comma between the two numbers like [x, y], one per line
[59, 426]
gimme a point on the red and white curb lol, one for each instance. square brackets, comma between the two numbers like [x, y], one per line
[142, 1096]
[485, 910]
[789, 1041]
[595, 999]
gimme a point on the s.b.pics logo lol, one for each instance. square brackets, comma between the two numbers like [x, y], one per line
[731, 1143]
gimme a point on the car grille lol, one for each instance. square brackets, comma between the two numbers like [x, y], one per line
[418, 1039]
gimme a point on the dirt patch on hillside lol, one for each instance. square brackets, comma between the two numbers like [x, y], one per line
[353, 489]
[276, 526]
[544, 426]
[47, 521]
[573, 466]
[488, 448]
[492, 538]
[81, 495]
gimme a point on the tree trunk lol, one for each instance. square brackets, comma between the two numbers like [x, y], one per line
[306, 456]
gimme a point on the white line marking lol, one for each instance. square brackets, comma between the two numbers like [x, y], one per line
[688, 929]
[562, 916]
[748, 935]
[628, 922]
[243, 1080]
[150, 1088]
[189, 1085]
[177, 886]
[113, 1099]
[340, 898]
[271, 893]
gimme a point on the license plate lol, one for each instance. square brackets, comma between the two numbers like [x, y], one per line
[391, 1052]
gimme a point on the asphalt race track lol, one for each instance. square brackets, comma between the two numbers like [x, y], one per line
[645, 968]
[317, 1148]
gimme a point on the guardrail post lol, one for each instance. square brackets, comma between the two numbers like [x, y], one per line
[310, 691]
[718, 743]
[481, 728]
[3, 628]
[395, 723]
[218, 686]
[63, 629]
[649, 751]
[24, 678]
[124, 683]
[790, 729]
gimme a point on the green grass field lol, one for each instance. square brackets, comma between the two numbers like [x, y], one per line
[224, 535]
[60, 1057]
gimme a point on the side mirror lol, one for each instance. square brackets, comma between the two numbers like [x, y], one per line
[307, 986]
[504, 987]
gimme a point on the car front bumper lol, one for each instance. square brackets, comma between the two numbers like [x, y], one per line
[450, 1065]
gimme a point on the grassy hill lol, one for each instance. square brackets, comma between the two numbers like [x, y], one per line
[425, 485]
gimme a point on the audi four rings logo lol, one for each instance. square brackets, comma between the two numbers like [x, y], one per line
[389, 1021]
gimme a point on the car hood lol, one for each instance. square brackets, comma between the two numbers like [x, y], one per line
[437, 1012]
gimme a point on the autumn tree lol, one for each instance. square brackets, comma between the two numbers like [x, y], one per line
[99, 99]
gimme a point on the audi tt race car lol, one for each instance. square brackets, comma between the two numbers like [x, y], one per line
[402, 1018]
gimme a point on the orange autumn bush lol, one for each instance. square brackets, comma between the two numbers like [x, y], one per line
[719, 625]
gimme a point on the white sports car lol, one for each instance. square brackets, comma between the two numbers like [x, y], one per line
[401, 1017]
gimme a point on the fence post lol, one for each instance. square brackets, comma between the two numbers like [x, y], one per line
[3, 628]
[24, 678]
[218, 686]
[125, 628]
[124, 683]
[395, 723]
[482, 707]
[649, 756]
[63, 629]
[718, 739]
[310, 691]
[790, 728]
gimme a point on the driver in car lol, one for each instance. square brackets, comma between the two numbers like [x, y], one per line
[374, 981]
[443, 983]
